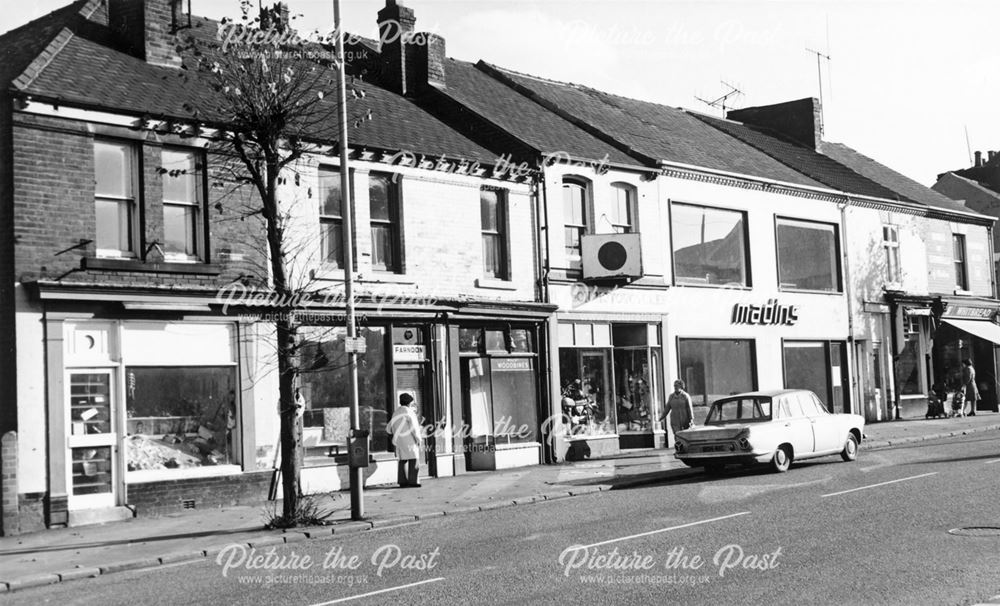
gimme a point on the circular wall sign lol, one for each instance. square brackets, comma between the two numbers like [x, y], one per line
[612, 255]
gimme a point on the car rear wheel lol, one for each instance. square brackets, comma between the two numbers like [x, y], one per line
[781, 460]
[850, 451]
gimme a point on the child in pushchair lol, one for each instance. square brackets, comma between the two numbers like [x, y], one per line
[936, 402]
[957, 403]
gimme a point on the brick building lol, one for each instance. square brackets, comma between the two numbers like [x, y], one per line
[136, 379]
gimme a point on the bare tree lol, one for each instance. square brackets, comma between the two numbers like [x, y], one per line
[264, 90]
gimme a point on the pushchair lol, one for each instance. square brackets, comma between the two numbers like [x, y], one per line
[935, 406]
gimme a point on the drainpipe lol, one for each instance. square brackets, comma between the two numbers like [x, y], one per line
[849, 292]
[551, 325]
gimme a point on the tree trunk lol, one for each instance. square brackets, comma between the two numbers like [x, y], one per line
[291, 432]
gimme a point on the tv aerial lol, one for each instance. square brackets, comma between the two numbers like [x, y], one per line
[722, 102]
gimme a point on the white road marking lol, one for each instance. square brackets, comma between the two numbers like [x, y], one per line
[371, 593]
[923, 475]
[652, 532]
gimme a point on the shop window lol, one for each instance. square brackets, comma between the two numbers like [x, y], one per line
[384, 203]
[183, 204]
[325, 381]
[502, 395]
[586, 391]
[961, 268]
[576, 218]
[909, 367]
[808, 255]
[709, 245]
[521, 341]
[495, 341]
[493, 215]
[820, 367]
[115, 199]
[180, 417]
[470, 340]
[713, 368]
[622, 212]
[890, 243]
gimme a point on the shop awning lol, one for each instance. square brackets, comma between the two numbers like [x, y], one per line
[984, 329]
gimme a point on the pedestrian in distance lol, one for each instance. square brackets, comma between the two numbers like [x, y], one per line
[404, 427]
[970, 387]
[679, 408]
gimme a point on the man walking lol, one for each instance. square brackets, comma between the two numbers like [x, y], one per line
[404, 427]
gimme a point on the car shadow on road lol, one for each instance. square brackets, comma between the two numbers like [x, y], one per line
[995, 455]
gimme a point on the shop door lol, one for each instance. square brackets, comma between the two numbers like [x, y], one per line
[412, 379]
[985, 364]
[92, 441]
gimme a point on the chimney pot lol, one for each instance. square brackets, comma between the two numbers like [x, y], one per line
[990, 155]
[979, 159]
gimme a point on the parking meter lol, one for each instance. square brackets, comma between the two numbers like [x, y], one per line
[357, 448]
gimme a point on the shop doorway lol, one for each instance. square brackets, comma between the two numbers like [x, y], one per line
[92, 475]
[820, 367]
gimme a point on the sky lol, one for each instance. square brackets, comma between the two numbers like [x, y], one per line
[905, 81]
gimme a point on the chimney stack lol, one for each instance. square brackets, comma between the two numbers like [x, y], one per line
[979, 159]
[275, 17]
[148, 28]
[410, 61]
[801, 120]
[990, 155]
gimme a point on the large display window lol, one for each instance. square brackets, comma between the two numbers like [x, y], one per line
[713, 368]
[500, 384]
[325, 384]
[610, 377]
[182, 409]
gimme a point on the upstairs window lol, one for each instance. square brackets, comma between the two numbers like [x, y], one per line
[576, 220]
[961, 265]
[493, 213]
[622, 213]
[890, 243]
[183, 201]
[709, 245]
[331, 218]
[808, 255]
[383, 199]
[115, 197]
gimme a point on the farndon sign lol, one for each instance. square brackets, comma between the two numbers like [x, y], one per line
[770, 314]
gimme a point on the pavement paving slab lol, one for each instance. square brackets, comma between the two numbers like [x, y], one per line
[65, 554]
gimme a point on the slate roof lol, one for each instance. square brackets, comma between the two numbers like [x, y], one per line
[526, 120]
[655, 131]
[79, 70]
[889, 178]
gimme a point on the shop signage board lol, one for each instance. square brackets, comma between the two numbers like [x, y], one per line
[512, 364]
[771, 313]
[973, 313]
[409, 353]
[875, 308]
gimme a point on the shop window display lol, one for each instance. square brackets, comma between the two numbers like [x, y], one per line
[635, 392]
[325, 384]
[713, 368]
[586, 400]
[180, 417]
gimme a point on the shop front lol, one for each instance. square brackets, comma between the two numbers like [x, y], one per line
[146, 405]
[966, 332]
[477, 385]
[610, 379]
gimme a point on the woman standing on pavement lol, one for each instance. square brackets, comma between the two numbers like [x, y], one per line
[679, 408]
[404, 427]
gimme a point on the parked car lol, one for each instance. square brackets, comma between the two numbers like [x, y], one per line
[775, 427]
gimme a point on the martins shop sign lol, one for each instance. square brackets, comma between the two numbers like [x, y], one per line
[771, 313]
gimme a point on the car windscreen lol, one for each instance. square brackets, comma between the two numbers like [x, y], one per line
[739, 410]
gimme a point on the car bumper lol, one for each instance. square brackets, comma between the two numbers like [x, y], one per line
[723, 458]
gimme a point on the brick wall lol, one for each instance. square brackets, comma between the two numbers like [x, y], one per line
[53, 209]
[159, 498]
[8, 484]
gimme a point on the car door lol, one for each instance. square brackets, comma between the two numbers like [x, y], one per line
[796, 426]
[826, 429]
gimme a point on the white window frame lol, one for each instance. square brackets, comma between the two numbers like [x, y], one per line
[200, 243]
[890, 244]
[131, 202]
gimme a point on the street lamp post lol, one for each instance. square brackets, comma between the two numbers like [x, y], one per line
[356, 470]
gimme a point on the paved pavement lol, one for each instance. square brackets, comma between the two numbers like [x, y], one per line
[60, 555]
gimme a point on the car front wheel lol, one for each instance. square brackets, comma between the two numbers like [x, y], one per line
[781, 460]
[850, 451]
